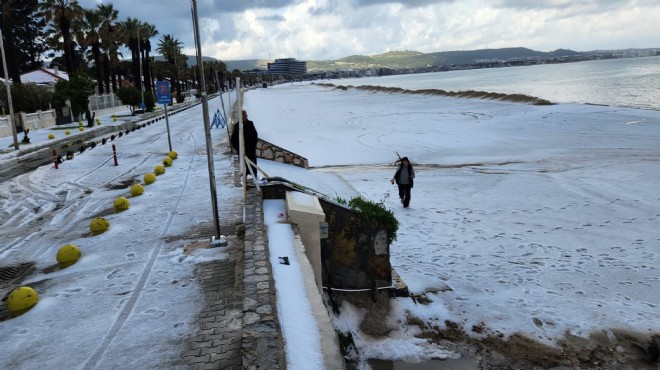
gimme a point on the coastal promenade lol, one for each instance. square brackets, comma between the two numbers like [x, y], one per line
[237, 327]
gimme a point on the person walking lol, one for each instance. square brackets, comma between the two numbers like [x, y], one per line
[403, 177]
[250, 139]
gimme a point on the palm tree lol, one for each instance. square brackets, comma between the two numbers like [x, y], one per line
[170, 49]
[147, 31]
[62, 13]
[129, 34]
[88, 32]
[109, 31]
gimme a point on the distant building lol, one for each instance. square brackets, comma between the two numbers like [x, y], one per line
[287, 66]
[44, 76]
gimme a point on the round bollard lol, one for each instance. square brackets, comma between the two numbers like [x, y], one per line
[67, 132]
[21, 300]
[173, 155]
[121, 204]
[149, 178]
[114, 119]
[80, 123]
[99, 225]
[68, 255]
[98, 123]
[137, 190]
[159, 170]
[167, 161]
[81, 128]
[51, 136]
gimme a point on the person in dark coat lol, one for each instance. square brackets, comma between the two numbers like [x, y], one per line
[403, 177]
[250, 138]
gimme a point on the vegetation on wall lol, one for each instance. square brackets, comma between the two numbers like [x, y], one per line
[373, 214]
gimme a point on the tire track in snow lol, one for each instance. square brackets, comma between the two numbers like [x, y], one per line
[127, 310]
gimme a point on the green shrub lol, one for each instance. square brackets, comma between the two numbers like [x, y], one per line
[372, 214]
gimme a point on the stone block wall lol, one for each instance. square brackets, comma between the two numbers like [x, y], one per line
[354, 256]
[270, 151]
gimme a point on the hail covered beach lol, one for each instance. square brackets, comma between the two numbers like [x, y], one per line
[533, 220]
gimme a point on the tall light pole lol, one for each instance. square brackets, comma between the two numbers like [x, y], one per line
[207, 124]
[9, 102]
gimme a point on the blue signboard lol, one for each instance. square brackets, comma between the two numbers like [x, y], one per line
[163, 92]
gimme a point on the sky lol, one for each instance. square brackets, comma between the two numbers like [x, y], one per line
[333, 29]
[540, 220]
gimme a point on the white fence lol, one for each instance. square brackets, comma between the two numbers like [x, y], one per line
[40, 119]
[30, 121]
[97, 102]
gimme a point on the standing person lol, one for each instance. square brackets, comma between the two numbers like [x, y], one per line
[250, 139]
[403, 177]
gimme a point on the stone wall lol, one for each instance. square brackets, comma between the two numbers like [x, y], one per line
[353, 257]
[270, 151]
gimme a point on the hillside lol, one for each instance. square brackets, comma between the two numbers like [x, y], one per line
[414, 59]
[410, 59]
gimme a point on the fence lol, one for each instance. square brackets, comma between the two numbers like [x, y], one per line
[97, 102]
[40, 119]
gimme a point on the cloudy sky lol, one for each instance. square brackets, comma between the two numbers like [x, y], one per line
[332, 29]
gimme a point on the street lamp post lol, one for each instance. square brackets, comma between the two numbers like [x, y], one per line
[207, 124]
[9, 102]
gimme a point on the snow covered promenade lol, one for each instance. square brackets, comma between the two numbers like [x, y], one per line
[539, 220]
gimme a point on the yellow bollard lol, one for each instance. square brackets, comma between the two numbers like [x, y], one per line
[99, 225]
[121, 204]
[167, 161]
[174, 155]
[21, 300]
[68, 255]
[51, 136]
[159, 170]
[137, 189]
[149, 178]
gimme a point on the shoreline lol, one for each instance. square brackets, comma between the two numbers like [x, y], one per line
[468, 94]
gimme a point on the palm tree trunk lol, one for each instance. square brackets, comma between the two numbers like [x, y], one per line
[99, 68]
[106, 72]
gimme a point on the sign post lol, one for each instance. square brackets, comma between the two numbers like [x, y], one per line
[164, 97]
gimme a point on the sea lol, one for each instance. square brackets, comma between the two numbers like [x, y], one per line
[624, 82]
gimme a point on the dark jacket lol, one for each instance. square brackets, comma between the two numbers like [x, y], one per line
[410, 173]
[249, 136]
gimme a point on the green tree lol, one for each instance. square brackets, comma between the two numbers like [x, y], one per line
[129, 96]
[110, 31]
[29, 36]
[61, 14]
[147, 31]
[27, 97]
[129, 37]
[77, 90]
[170, 48]
[88, 32]
[8, 36]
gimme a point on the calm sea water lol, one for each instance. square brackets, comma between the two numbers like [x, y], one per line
[629, 82]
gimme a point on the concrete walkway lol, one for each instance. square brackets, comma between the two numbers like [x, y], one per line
[238, 327]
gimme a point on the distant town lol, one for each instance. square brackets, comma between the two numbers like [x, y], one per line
[407, 62]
